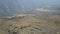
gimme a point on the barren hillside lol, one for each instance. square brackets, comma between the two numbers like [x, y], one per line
[29, 24]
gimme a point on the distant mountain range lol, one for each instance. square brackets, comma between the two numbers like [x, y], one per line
[12, 7]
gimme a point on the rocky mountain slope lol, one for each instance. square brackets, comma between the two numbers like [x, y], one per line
[29, 24]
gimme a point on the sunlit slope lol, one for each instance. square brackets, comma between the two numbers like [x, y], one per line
[29, 24]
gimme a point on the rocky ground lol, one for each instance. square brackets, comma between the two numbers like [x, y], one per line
[29, 24]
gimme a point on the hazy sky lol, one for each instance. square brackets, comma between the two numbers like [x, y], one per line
[12, 4]
[41, 3]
